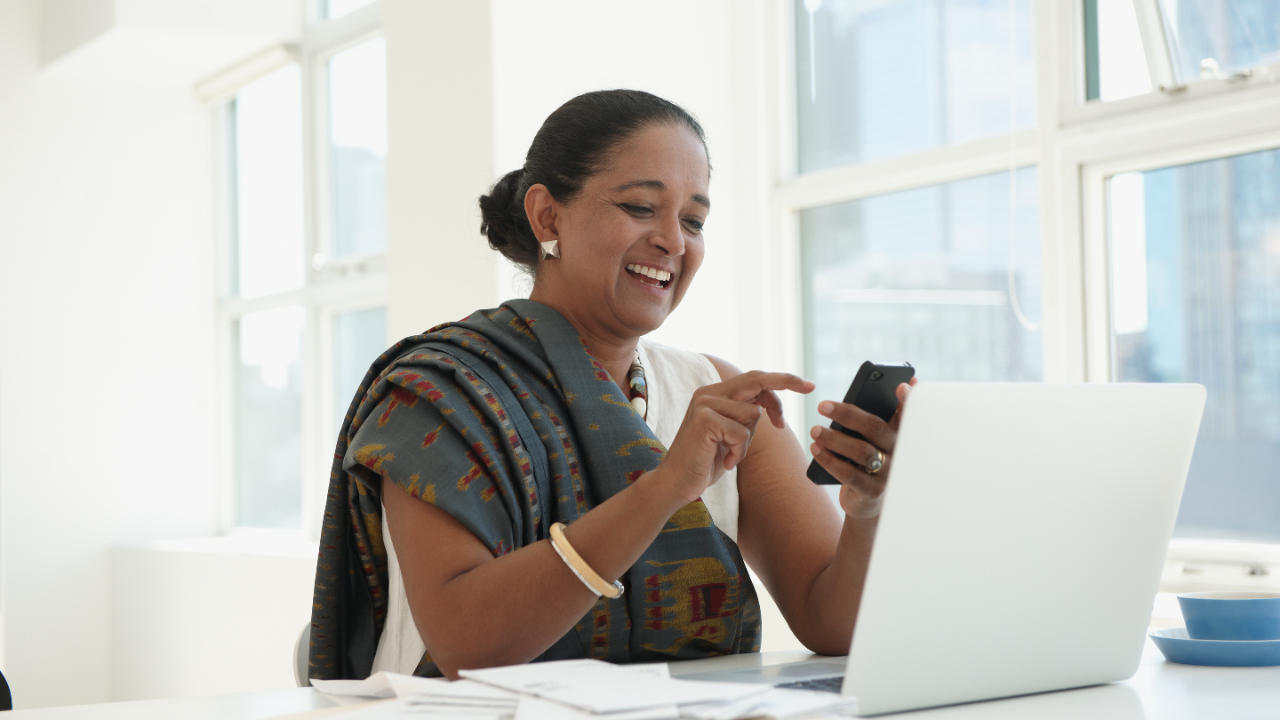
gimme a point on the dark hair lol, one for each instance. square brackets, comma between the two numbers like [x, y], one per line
[571, 146]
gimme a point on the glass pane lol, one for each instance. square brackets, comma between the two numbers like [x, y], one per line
[358, 149]
[268, 418]
[1233, 34]
[337, 8]
[1195, 255]
[923, 276]
[887, 78]
[358, 339]
[268, 220]
[1116, 62]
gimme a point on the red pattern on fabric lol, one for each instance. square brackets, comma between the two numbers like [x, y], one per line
[707, 601]
[399, 396]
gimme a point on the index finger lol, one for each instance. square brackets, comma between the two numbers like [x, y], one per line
[758, 386]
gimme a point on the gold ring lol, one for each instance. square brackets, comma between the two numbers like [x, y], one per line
[875, 464]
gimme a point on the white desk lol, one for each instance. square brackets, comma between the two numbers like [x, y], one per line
[1159, 691]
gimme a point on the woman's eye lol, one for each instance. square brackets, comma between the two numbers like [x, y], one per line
[637, 209]
[694, 225]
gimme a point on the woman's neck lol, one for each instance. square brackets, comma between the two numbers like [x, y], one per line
[613, 351]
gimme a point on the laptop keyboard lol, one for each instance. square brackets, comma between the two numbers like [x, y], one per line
[827, 684]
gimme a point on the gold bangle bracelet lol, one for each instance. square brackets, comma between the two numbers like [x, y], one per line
[580, 568]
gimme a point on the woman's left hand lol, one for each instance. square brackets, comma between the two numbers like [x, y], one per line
[861, 492]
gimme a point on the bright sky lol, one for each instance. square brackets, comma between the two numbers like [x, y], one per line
[1128, 253]
[1122, 63]
[270, 340]
[269, 183]
[358, 97]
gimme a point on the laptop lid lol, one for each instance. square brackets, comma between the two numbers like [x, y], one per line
[1022, 539]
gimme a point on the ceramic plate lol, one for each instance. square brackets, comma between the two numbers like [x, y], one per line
[1179, 648]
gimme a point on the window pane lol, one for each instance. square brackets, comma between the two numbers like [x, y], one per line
[268, 220]
[923, 276]
[358, 339]
[1235, 34]
[887, 78]
[1195, 253]
[358, 149]
[268, 418]
[1116, 63]
[337, 8]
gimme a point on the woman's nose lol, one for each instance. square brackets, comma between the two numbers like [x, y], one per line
[670, 237]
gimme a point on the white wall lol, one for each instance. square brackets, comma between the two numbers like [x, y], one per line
[207, 616]
[106, 341]
[439, 152]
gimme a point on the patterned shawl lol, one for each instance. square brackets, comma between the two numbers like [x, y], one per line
[507, 422]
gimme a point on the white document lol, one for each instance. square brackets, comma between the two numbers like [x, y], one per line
[376, 686]
[601, 687]
[777, 703]
[389, 684]
[404, 685]
[402, 708]
[536, 708]
[457, 692]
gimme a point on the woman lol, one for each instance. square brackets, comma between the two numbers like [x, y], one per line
[443, 547]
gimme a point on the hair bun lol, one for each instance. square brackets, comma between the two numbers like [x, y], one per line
[503, 221]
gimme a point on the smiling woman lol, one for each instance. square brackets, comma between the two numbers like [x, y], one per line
[537, 482]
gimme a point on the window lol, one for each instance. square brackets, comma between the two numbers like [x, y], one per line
[923, 275]
[303, 305]
[1133, 46]
[358, 150]
[1196, 283]
[881, 79]
[1086, 194]
[1116, 65]
[943, 272]
[1207, 37]
[334, 9]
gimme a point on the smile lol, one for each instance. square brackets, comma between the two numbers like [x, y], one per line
[650, 276]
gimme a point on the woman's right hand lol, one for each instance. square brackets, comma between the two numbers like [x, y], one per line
[716, 432]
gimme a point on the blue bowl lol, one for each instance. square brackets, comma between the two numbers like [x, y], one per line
[1231, 615]
[1177, 647]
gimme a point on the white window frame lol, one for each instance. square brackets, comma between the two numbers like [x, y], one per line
[334, 287]
[1077, 147]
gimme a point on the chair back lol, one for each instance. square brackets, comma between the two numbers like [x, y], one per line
[301, 651]
[6, 699]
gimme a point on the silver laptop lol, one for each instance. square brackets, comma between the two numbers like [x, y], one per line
[1021, 544]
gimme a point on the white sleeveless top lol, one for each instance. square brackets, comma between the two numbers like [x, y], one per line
[672, 376]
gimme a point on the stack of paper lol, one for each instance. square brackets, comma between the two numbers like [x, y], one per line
[579, 690]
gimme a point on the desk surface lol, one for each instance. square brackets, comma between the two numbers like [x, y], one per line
[1160, 689]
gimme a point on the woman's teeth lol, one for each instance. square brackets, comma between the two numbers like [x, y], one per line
[661, 276]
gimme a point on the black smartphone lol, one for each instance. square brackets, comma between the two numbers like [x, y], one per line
[874, 389]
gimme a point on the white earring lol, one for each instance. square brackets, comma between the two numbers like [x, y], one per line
[550, 249]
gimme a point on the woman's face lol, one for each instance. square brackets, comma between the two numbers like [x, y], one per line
[641, 215]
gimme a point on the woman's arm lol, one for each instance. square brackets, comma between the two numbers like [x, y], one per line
[474, 610]
[811, 561]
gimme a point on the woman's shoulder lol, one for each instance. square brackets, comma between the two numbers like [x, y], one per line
[669, 358]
